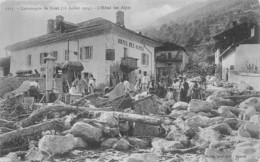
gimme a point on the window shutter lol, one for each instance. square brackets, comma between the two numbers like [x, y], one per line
[41, 58]
[91, 52]
[80, 55]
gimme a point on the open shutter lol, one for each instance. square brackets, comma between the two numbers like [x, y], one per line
[41, 58]
[80, 53]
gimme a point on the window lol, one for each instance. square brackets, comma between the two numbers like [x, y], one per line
[42, 58]
[145, 59]
[125, 52]
[29, 60]
[67, 55]
[110, 54]
[88, 52]
[55, 55]
[169, 56]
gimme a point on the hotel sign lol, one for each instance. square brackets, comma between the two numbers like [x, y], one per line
[130, 44]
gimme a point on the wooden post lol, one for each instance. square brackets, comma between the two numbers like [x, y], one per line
[49, 75]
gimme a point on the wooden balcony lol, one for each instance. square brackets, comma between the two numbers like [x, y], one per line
[166, 59]
[128, 64]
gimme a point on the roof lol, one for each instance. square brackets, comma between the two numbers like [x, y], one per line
[79, 30]
[71, 65]
[169, 47]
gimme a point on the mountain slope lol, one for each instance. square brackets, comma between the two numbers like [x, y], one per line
[194, 29]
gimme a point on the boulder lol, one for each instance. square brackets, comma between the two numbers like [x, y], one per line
[55, 144]
[109, 119]
[247, 151]
[87, 132]
[162, 144]
[140, 143]
[226, 112]
[170, 103]
[109, 143]
[11, 157]
[80, 143]
[144, 157]
[243, 86]
[255, 119]
[180, 106]
[176, 113]
[222, 128]
[234, 123]
[176, 136]
[217, 155]
[198, 105]
[253, 101]
[121, 145]
[209, 135]
[249, 130]
[221, 101]
[164, 109]
[35, 154]
[197, 121]
[250, 111]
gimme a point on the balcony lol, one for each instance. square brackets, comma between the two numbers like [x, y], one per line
[128, 64]
[166, 59]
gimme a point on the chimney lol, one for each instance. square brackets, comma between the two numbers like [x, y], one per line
[120, 18]
[58, 20]
[50, 26]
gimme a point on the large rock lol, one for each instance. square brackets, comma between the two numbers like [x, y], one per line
[250, 111]
[121, 145]
[253, 101]
[247, 152]
[57, 144]
[87, 132]
[170, 103]
[243, 86]
[11, 157]
[198, 105]
[222, 128]
[221, 101]
[255, 119]
[176, 136]
[226, 113]
[144, 157]
[162, 144]
[80, 143]
[217, 155]
[35, 154]
[180, 106]
[234, 123]
[176, 113]
[197, 121]
[249, 130]
[109, 143]
[109, 119]
[209, 135]
[141, 143]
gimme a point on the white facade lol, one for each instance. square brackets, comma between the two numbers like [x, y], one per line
[97, 65]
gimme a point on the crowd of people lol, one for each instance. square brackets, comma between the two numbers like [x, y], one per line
[83, 85]
[178, 89]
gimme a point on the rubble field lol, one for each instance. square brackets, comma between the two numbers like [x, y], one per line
[145, 128]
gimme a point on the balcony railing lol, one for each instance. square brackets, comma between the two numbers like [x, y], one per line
[161, 58]
[128, 64]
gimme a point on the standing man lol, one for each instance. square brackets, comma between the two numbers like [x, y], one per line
[184, 90]
[91, 84]
[138, 81]
[117, 78]
[227, 73]
[145, 82]
[126, 84]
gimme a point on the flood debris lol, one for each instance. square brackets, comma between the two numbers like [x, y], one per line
[223, 126]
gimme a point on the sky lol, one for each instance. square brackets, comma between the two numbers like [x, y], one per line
[24, 19]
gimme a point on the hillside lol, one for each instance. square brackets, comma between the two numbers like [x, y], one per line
[194, 29]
